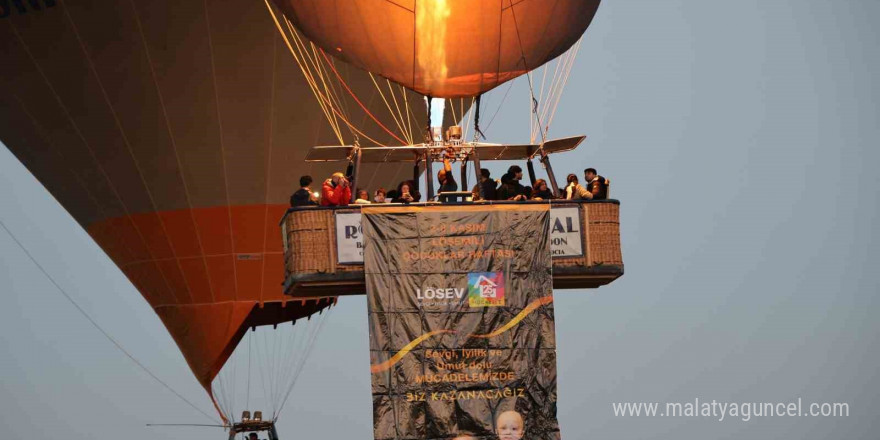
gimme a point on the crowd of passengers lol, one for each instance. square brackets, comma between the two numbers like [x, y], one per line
[336, 191]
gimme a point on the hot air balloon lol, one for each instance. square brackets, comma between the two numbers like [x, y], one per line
[451, 49]
[448, 48]
[174, 134]
[444, 48]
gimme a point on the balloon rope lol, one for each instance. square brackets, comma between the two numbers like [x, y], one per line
[498, 110]
[400, 112]
[247, 400]
[532, 119]
[323, 101]
[451, 105]
[313, 336]
[307, 74]
[326, 99]
[329, 86]
[332, 99]
[409, 113]
[217, 408]
[100, 329]
[388, 106]
[461, 109]
[467, 123]
[528, 74]
[567, 75]
[341, 81]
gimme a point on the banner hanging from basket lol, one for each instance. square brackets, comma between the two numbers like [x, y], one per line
[462, 333]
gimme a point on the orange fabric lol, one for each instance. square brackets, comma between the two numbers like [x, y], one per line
[206, 334]
[215, 273]
[443, 48]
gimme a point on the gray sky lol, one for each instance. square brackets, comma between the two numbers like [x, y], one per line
[740, 137]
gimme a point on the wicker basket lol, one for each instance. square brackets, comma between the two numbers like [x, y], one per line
[311, 267]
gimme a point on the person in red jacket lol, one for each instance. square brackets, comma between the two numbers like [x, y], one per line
[335, 191]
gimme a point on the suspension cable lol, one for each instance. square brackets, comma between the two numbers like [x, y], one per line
[397, 121]
[400, 112]
[309, 345]
[367, 111]
[307, 74]
[528, 74]
[98, 327]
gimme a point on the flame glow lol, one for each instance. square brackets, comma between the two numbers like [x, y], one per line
[431, 22]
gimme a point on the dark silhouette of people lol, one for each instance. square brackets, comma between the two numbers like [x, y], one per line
[407, 193]
[597, 185]
[541, 191]
[487, 186]
[510, 188]
[444, 176]
[391, 196]
[304, 195]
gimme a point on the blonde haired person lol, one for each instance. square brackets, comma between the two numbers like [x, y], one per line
[335, 191]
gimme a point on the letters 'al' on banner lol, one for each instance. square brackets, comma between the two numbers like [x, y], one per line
[462, 336]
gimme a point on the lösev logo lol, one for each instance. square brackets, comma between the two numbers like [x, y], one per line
[433, 293]
[486, 289]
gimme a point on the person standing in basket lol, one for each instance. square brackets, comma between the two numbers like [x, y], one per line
[304, 195]
[444, 176]
[335, 191]
[597, 185]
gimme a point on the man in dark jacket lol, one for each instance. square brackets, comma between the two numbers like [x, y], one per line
[304, 195]
[444, 176]
[486, 188]
[596, 184]
[510, 188]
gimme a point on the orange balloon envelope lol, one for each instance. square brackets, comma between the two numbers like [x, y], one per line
[444, 48]
[174, 133]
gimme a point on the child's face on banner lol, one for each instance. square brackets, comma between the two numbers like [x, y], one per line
[510, 426]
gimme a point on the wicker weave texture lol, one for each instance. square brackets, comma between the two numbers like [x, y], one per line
[604, 233]
[312, 240]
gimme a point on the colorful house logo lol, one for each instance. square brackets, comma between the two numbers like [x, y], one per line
[486, 289]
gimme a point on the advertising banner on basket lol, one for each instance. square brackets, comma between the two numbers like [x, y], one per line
[462, 332]
[565, 235]
[565, 232]
[349, 238]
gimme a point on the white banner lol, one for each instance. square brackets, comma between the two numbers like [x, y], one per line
[565, 235]
[349, 238]
[565, 232]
